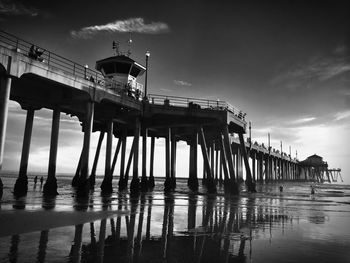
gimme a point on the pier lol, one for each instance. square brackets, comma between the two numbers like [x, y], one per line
[110, 101]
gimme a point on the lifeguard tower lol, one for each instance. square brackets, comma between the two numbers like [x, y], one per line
[120, 74]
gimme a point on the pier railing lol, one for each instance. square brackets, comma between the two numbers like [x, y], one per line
[195, 103]
[45, 56]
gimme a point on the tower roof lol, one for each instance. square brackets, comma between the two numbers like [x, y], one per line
[120, 64]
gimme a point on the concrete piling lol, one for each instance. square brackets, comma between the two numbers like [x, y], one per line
[21, 185]
[92, 177]
[135, 182]
[106, 186]
[50, 186]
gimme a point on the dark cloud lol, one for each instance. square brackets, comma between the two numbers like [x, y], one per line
[16, 8]
[312, 72]
[11, 7]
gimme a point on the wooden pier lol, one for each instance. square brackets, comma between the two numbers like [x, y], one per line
[107, 103]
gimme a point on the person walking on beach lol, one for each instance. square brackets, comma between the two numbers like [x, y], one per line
[312, 189]
[1, 188]
[35, 179]
[41, 180]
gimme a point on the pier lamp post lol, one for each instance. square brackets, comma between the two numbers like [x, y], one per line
[281, 147]
[85, 69]
[290, 151]
[250, 133]
[147, 56]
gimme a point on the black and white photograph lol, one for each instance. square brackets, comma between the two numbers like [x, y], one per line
[175, 131]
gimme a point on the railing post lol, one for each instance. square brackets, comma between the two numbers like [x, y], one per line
[73, 68]
[48, 59]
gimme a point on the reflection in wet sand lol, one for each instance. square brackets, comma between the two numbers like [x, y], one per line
[44, 238]
[165, 228]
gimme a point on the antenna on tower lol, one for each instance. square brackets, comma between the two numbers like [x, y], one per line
[129, 44]
[115, 46]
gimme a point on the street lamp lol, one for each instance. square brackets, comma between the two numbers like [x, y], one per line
[85, 69]
[147, 56]
[250, 133]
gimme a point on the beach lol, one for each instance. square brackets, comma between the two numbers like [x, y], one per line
[268, 226]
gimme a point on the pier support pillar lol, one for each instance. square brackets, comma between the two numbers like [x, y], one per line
[173, 161]
[128, 165]
[50, 186]
[229, 153]
[121, 182]
[151, 183]
[253, 166]
[230, 186]
[220, 165]
[279, 169]
[144, 181]
[106, 186]
[193, 178]
[230, 183]
[216, 164]
[115, 157]
[87, 129]
[210, 180]
[167, 183]
[97, 155]
[261, 166]
[21, 185]
[135, 182]
[5, 89]
[212, 159]
[249, 181]
[267, 168]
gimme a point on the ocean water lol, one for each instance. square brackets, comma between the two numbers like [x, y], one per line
[268, 226]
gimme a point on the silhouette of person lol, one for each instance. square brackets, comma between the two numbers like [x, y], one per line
[35, 179]
[32, 53]
[312, 189]
[41, 180]
[38, 54]
[1, 188]
[281, 188]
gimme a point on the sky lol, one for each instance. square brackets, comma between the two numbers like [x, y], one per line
[285, 63]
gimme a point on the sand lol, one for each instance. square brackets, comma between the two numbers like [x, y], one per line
[18, 222]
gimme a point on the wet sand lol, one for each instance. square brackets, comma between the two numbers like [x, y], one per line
[292, 226]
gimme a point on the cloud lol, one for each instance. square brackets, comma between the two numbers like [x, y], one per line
[316, 69]
[340, 50]
[342, 115]
[11, 7]
[182, 83]
[136, 25]
[303, 120]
